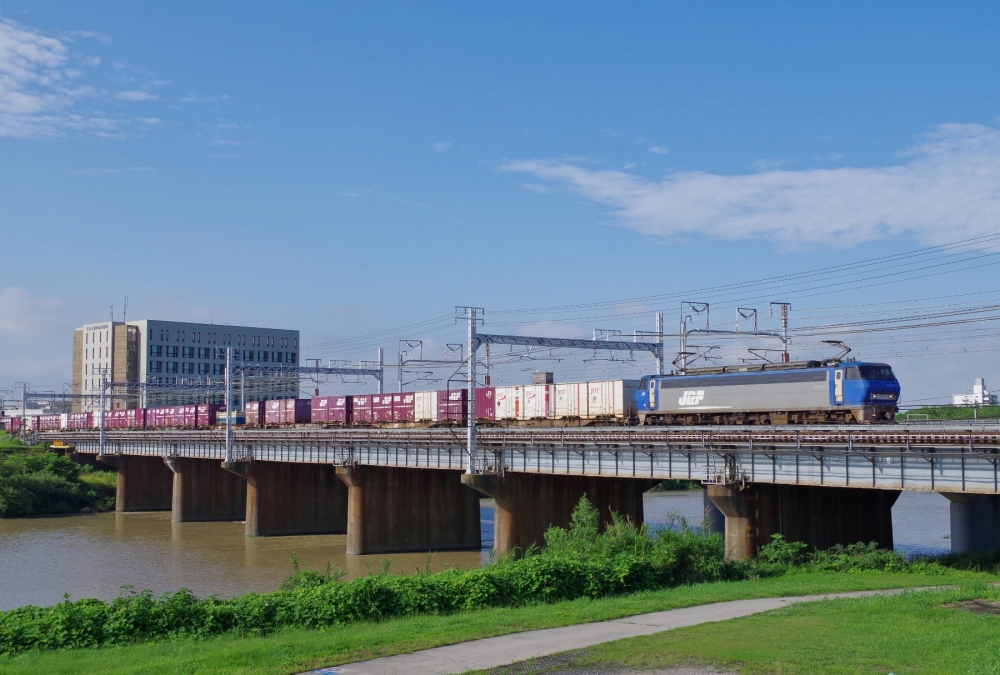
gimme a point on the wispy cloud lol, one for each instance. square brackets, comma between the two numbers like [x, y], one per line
[441, 146]
[135, 95]
[658, 150]
[944, 187]
[43, 88]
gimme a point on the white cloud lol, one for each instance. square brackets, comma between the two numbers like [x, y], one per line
[135, 95]
[945, 187]
[535, 187]
[217, 144]
[440, 146]
[658, 150]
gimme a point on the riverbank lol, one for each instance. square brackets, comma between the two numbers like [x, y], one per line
[298, 650]
[37, 482]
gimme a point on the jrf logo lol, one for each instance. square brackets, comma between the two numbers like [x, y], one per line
[691, 397]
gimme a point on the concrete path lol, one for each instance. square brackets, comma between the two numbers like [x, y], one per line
[506, 649]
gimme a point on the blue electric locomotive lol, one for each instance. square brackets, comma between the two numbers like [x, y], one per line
[806, 392]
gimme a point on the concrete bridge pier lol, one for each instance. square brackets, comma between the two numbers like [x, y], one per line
[144, 482]
[975, 522]
[398, 510]
[819, 516]
[284, 498]
[528, 504]
[204, 491]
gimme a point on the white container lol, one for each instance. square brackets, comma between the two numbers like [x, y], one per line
[570, 400]
[509, 403]
[425, 406]
[538, 401]
[611, 398]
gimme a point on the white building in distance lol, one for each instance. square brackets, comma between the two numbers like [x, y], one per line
[172, 362]
[979, 395]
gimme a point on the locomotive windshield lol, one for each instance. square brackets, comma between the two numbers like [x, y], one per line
[876, 373]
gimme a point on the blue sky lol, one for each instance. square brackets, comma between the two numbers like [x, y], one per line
[347, 169]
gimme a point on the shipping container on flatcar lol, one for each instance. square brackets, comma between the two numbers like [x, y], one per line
[361, 410]
[254, 413]
[11, 424]
[330, 410]
[425, 406]
[207, 414]
[115, 419]
[295, 411]
[570, 400]
[486, 403]
[509, 403]
[51, 422]
[272, 412]
[318, 407]
[381, 407]
[159, 417]
[83, 420]
[136, 418]
[403, 407]
[452, 405]
[608, 399]
[538, 401]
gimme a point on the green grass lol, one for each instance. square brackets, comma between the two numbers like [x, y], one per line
[297, 650]
[906, 634]
[945, 412]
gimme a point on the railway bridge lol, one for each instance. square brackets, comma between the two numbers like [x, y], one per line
[397, 490]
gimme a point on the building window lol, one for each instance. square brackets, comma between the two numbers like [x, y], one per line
[172, 351]
[203, 368]
[276, 357]
[218, 369]
[296, 343]
[187, 367]
[156, 366]
[171, 366]
[291, 357]
[187, 352]
[248, 355]
[150, 334]
[262, 357]
[204, 352]
[156, 350]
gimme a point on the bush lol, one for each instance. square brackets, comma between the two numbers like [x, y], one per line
[34, 482]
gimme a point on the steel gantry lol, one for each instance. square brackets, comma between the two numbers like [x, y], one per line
[476, 339]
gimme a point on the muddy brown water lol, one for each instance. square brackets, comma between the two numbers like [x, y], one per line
[95, 555]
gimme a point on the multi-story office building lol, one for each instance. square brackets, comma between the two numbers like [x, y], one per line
[171, 362]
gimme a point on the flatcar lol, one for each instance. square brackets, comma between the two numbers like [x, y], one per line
[804, 392]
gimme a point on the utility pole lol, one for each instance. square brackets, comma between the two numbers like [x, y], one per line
[785, 306]
[104, 388]
[659, 338]
[229, 404]
[381, 367]
[472, 346]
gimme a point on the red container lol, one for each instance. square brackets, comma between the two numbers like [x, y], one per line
[207, 414]
[158, 418]
[136, 418]
[272, 412]
[81, 420]
[382, 408]
[486, 408]
[116, 419]
[452, 404]
[361, 410]
[11, 424]
[330, 410]
[254, 413]
[402, 407]
[47, 422]
[295, 410]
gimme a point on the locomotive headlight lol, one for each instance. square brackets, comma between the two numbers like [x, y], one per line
[883, 397]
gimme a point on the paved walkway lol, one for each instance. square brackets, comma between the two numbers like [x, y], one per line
[506, 649]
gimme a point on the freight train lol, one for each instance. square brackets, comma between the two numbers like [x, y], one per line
[806, 392]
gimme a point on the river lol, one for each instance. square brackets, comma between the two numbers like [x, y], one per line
[95, 555]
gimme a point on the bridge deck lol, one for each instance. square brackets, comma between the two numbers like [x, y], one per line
[943, 457]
